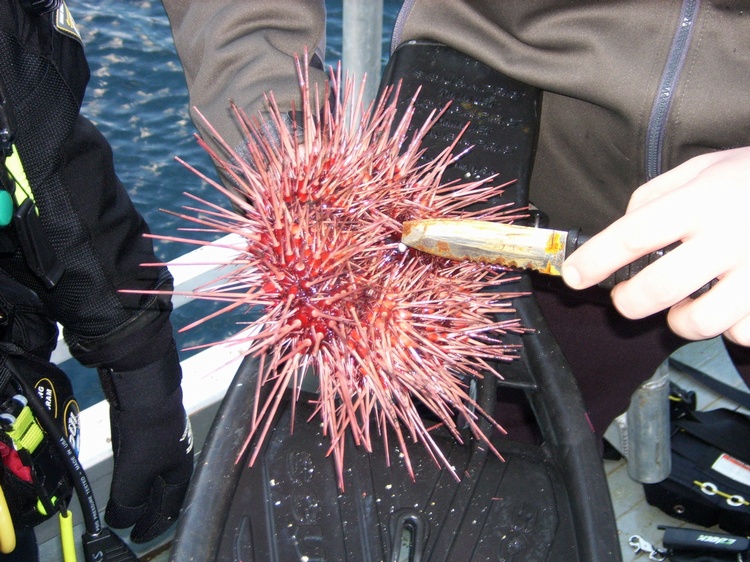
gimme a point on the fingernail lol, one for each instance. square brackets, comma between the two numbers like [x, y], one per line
[571, 276]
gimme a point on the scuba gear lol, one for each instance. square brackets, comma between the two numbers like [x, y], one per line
[710, 479]
[96, 232]
[17, 203]
[99, 543]
[36, 493]
[693, 545]
[7, 130]
[32, 479]
[84, 210]
[39, 430]
[23, 321]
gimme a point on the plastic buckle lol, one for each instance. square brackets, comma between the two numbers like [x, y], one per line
[7, 123]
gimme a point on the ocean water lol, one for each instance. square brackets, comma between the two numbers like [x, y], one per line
[138, 99]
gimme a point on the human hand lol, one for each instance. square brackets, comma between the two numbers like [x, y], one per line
[153, 451]
[704, 204]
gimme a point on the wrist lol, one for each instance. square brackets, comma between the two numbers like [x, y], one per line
[142, 387]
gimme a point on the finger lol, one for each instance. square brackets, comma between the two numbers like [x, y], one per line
[671, 180]
[670, 279]
[162, 510]
[118, 515]
[722, 310]
[673, 217]
[646, 230]
[740, 332]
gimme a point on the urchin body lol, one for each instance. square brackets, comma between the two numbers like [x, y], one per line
[385, 328]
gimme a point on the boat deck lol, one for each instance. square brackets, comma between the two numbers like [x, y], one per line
[634, 515]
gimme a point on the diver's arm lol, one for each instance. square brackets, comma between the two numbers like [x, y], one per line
[240, 50]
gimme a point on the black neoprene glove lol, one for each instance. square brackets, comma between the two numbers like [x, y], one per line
[152, 445]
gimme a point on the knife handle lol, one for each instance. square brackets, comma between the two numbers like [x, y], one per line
[576, 238]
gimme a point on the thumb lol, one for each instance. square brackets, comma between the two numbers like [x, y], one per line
[163, 506]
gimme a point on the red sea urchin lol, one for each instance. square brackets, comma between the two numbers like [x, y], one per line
[385, 328]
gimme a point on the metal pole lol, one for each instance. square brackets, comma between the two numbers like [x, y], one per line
[362, 42]
[649, 450]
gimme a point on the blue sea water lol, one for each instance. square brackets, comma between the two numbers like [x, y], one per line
[138, 99]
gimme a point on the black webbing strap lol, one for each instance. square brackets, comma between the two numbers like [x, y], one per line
[734, 394]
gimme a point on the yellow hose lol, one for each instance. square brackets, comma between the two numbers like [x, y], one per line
[7, 532]
[66, 536]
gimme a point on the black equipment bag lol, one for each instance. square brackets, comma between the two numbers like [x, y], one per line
[710, 480]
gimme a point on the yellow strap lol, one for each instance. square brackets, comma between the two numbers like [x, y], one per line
[15, 167]
[67, 538]
[26, 433]
[7, 532]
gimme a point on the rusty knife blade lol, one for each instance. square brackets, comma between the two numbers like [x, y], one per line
[513, 246]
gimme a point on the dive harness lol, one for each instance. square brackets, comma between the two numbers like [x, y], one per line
[39, 427]
[18, 206]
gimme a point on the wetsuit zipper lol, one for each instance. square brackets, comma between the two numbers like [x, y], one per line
[657, 123]
[660, 111]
